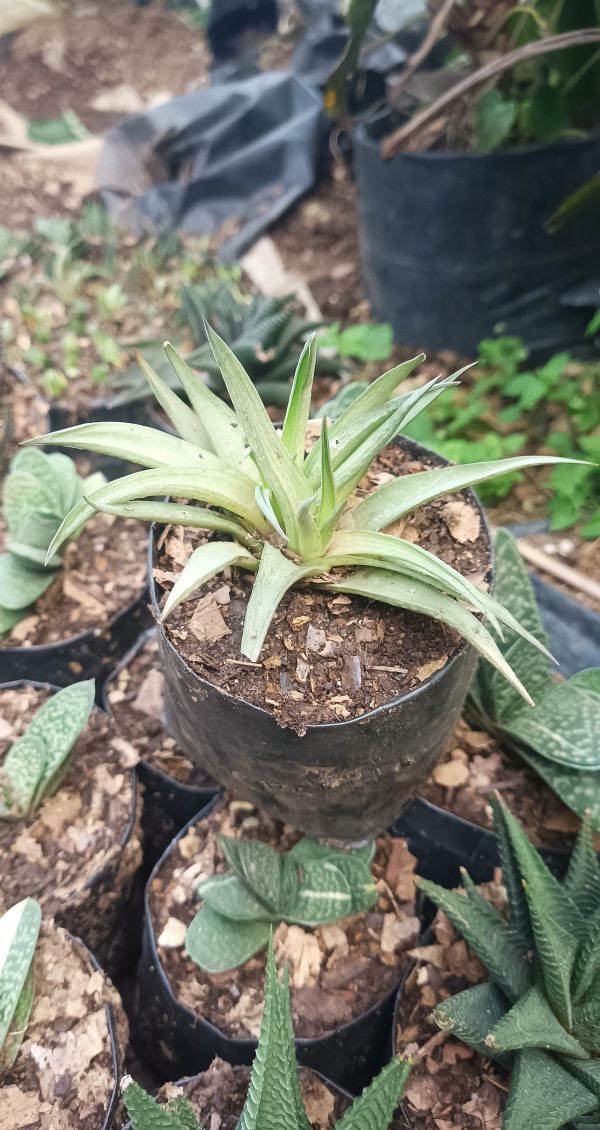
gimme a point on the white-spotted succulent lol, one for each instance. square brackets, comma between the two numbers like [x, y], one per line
[19, 932]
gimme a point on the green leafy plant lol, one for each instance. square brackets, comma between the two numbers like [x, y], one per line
[286, 515]
[19, 932]
[309, 885]
[57, 131]
[541, 1004]
[367, 341]
[560, 736]
[274, 1099]
[39, 490]
[36, 763]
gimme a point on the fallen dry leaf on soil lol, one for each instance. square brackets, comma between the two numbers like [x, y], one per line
[302, 951]
[426, 669]
[149, 699]
[462, 520]
[207, 623]
[452, 774]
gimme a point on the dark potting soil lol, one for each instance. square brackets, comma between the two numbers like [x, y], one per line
[64, 1074]
[136, 698]
[326, 657]
[79, 831]
[474, 766]
[450, 1087]
[103, 572]
[336, 972]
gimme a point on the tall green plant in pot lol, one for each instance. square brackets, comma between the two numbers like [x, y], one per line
[293, 519]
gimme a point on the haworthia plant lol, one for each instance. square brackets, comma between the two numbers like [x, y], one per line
[286, 516]
[36, 763]
[309, 885]
[541, 1004]
[39, 490]
[19, 932]
[560, 736]
[274, 1100]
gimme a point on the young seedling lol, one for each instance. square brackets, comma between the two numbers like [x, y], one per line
[309, 885]
[39, 490]
[560, 736]
[36, 763]
[542, 1001]
[19, 932]
[274, 1100]
[287, 516]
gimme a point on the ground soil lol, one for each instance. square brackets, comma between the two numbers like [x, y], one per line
[135, 696]
[82, 832]
[336, 972]
[103, 572]
[580, 554]
[450, 1087]
[327, 658]
[64, 1073]
[474, 766]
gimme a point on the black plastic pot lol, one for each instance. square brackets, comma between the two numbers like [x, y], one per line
[89, 655]
[109, 1119]
[109, 922]
[60, 416]
[168, 804]
[455, 249]
[179, 1042]
[573, 628]
[344, 780]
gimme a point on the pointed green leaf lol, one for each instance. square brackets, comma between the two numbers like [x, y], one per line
[276, 574]
[327, 503]
[518, 909]
[393, 500]
[263, 498]
[586, 971]
[229, 896]
[185, 421]
[203, 564]
[19, 932]
[217, 944]
[146, 1113]
[374, 1109]
[223, 428]
[580, 791]
[587, 1071]
[531, 1023]
[582, 881]
[543, 1095]
[132, 442]
[471, 1015]
[564, 726]
[20, 1020]
[178, 514]
[293, 434]
[258, 865]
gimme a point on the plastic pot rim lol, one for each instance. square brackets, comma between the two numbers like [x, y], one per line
[110, 1023]
[195, 1017]
[361, 719]
[361, 132]
[70, 641]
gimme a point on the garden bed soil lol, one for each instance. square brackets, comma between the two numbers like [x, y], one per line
[337, 972]
[135, 696]
[327, 657]
[450, 1087]
[64, 1075]
[474, 766]
[103, 572]
[80, 853]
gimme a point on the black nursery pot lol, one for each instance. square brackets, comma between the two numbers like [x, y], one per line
[168, 804]
[178, 1042]
[454, 245]
[89, 655]
[102, 411]
[113, 1106]
[345, 780]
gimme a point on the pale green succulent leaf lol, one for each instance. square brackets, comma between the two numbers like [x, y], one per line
[205, 562]
[327, 502]
[19, 932]
[12, 1044]
[587, 1071]
[393, 500]
[589, 680]
[586, 1023]
[324, 894]
[10, 617]
[24, 494]
[135, 443]
[363, 891]
[531, 1023]
[564, 726]
[416, 596]
[263, 496]
[543, 1095]
[230, 896]
[145, 1113]
[258, 865]
[217, 944]
[20, 584]
[179, 514]
[23, 768]
[307, 849]
[293, 434]
[185, 421]
[276, 574]
[220, 423]
[374, 1109]
[472, 1014]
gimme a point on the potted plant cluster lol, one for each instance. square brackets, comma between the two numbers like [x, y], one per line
[323, 603]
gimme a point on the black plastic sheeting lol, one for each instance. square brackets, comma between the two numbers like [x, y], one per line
[455, 248]
[243, 151]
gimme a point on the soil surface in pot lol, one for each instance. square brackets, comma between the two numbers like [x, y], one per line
[136, 699]
[64, 1073]
[337, 972]
[79, 831]
[103, 572]
[327, 657]
[450, 1087]
[474, 766]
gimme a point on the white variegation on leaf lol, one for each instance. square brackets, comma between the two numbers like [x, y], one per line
[19, 932]
[298, 517]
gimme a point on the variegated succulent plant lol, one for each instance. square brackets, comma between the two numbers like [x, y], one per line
[19, 932]
[309, 885]
[274, 1100]
[287, 516]
[36, 763]
[560, 736]
[39, 490]
[540, 1010]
